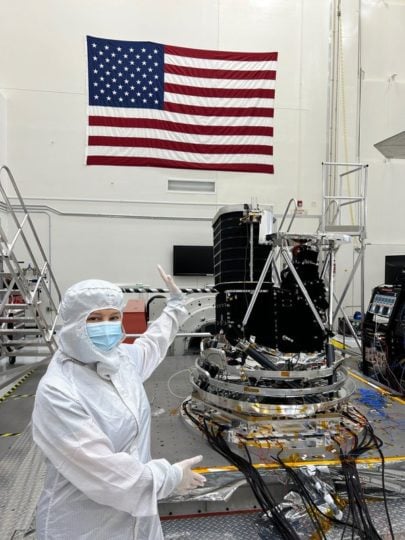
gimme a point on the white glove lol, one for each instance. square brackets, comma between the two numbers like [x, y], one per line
[190, 479]
[169, 281]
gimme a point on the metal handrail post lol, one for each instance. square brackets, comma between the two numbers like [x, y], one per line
[331, 285]
[285, 215]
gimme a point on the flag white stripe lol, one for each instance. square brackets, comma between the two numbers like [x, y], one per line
[191, 157]
[155, 114]
[103, 131]
[231, 65]
[200, 101]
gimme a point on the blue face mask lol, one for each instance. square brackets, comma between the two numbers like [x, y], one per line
[105, 335]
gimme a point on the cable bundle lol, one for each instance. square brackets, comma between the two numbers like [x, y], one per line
[358, 509]
[320, 520]
[358, 518]
[252, 475]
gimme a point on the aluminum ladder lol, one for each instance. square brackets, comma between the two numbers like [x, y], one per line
[29, 295]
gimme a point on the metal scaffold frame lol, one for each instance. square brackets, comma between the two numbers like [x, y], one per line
[333, 230]
[344, 188]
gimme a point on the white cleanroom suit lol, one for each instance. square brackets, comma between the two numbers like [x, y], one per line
[92, 421]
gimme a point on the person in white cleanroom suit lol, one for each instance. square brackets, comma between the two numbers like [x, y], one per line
[91, 419]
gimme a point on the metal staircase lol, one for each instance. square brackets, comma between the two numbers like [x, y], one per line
[29, 294]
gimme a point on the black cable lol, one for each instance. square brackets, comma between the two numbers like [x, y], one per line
[310, 505]
[356, 505]
[256, 483]
[356, 498]
[378, 445]
[302, 489]
[361, 521]
[252, 475]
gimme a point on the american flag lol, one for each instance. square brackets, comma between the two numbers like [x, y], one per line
[166, 106]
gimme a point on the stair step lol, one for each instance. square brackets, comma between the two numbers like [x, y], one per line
[24, 304]
[23, 331]
[16, 320]
[345, 229]
[23, 343]
[28, 352]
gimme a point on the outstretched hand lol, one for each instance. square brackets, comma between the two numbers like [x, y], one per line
[190, 479]
[169, 281]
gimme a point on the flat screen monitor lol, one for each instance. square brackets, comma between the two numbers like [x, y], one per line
[193, 261]
[394, 269]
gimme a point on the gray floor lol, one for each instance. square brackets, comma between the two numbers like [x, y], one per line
[18, 384]
[20, 463]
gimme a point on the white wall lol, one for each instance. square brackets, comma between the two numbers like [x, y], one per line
[383, 115]
[43, 79]
[3, 129]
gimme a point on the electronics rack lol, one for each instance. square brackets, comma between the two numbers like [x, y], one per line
[384, 337]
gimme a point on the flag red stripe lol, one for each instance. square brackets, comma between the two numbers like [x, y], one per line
[219, 92]
[141, 142]
[156, 162]
[221, 55]
[116, 121]
[219, 73]
[219, 111]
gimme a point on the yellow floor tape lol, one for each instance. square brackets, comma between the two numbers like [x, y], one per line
[16, 385]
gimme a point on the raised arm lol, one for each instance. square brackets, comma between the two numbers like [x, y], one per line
[152, 346]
